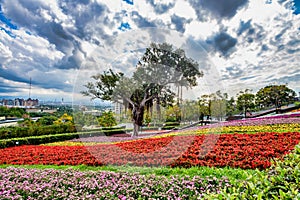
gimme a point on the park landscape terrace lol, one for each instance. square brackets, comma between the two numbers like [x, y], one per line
[190, 152]
[149, 100]
[249, 149]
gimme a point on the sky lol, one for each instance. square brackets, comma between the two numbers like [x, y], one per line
[60, 44]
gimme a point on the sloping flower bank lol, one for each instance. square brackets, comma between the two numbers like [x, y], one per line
[279, 119]
[247, 151]
[20, 183]
[235, 150]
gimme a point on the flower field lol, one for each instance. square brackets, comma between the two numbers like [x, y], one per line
[247, 151]
[18, 183]
[244, 144]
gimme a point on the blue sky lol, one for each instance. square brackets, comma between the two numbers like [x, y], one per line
[60, 44]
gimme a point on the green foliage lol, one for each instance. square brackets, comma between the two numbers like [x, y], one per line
[147, 118]
[275, 95]
[297, 103]
[63, 109]
[215, 105]
[47, 120]
[104, 86]
[107, 119]
[36, 140]
[26, 122]
[107, 132]
[44, 126]
[190, 110]
[83, 119]
[230, 107]
[245, 102]
[170, 125]
[43, 139]
[64, 119]
[173, 114]
[12, 112]
[26, 131]
[204, 104]
[39, 114]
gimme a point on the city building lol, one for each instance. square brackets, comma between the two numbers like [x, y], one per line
[31, 102]
[118, 108]
[19, 102]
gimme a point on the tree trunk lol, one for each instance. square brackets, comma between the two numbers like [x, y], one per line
[178, 94]
[181, 94]
[136, 128]
[151, 111]
[158, 110]
[138, 114]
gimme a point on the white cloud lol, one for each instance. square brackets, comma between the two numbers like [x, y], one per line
[202, 29]
[66, 35]
[184, 9]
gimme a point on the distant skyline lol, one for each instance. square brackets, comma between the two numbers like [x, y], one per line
[58, 44]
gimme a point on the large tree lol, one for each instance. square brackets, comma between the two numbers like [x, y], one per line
[213, 105]
[204, 103]
[160, 68]
[245, 101]
[275, 95]
[218, 105]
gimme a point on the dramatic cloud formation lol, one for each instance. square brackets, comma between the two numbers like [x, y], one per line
[60, 43]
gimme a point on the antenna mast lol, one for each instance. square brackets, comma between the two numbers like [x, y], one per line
[30, 88]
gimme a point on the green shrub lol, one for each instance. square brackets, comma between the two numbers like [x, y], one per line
[172, 123]
[168, 127]
[36, 140]
[107, 119]
[109, 128]
[146, 128]
[18, 132]
[47, 120]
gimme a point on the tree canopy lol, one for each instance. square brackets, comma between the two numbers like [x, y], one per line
[275, 95]
[245, 101]
[107, 119]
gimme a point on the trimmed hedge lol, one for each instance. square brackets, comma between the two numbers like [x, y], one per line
[19, 132]
[110, 128]
[146, 128]
[79, 129]
[102, 132]
[170, 125]
[36, 140]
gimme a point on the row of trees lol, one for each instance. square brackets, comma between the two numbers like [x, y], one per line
[218, 105]
[271, 96]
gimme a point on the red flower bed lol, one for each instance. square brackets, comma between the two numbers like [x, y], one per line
[247, 151]
[235, 150]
